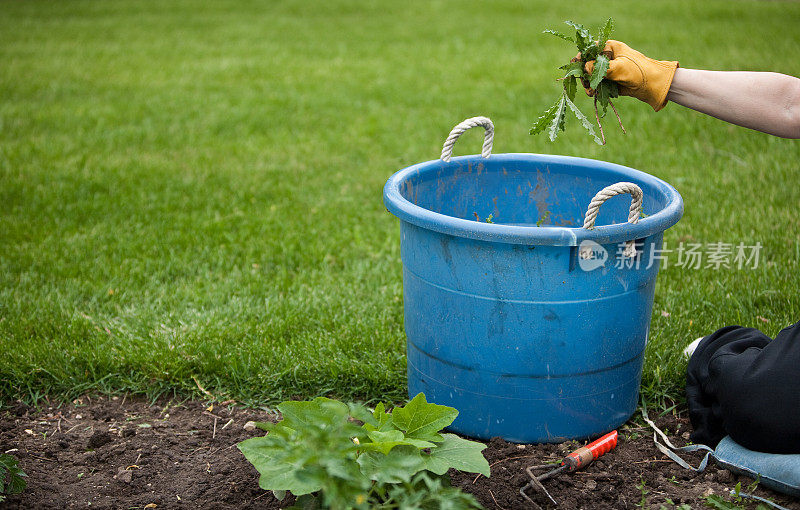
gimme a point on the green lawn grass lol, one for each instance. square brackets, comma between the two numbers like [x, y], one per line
[193, 189]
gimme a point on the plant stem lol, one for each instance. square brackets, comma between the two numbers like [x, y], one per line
[618, 117]
[597, 116]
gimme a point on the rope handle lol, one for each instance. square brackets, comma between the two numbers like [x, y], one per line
[633, 214]
[447, 148]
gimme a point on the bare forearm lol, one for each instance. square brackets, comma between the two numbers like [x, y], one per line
[768, 102]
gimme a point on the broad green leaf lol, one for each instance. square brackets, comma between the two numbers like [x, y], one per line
[279, 495]
[458, 453]
[398, 466]
[276, 474]
[421, 420]
[389, 435]
[265, 425]
[544, 120]
[605, 33]
[559, 34]
[361, 413]
[570, 87]
[428, 491]
[383, 442]
[300, 414]
[306, 502]
[381, 420]
[332, 407]
[584, 121]
[558, 119]
[279, 430]
[329, 467]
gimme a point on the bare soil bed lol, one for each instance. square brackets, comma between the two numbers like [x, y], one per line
[117, 452]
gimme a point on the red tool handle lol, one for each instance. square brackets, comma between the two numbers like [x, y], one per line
[584, 455]
[603, 445]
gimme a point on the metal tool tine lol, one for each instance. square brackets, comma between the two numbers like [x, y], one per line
[522, 491]
[551, 473]
[542, 466]
[536, 485]
[536, 505]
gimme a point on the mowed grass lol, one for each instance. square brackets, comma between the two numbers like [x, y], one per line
[192, 190]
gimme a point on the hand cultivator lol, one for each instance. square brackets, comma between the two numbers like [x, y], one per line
[576, 460]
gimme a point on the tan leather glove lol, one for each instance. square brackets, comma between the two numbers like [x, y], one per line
[638, 76]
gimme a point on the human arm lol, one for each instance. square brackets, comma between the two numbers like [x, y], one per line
[768, 102]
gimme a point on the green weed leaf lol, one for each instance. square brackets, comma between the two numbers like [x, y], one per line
[718, 502]
[558, 119]
[545, 119]
[590, 53]
[584, 121]
[613, 88]
[582, 37]
[599, 71]
[554, 119]
[577, 26]
[570, 87]
[605, 33]
[560, 35]
[603, 94]
[573, 69]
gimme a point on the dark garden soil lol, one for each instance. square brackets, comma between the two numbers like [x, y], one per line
[120, 452]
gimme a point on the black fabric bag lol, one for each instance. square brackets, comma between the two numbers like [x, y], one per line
[742, 383]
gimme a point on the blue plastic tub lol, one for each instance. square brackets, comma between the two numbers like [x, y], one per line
[507, 321]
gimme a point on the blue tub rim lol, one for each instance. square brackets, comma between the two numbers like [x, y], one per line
[548, 236]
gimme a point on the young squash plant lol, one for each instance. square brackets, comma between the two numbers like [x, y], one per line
[590, 48]
[335, 455]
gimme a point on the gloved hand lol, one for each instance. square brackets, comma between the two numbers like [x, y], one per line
[638, 76]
